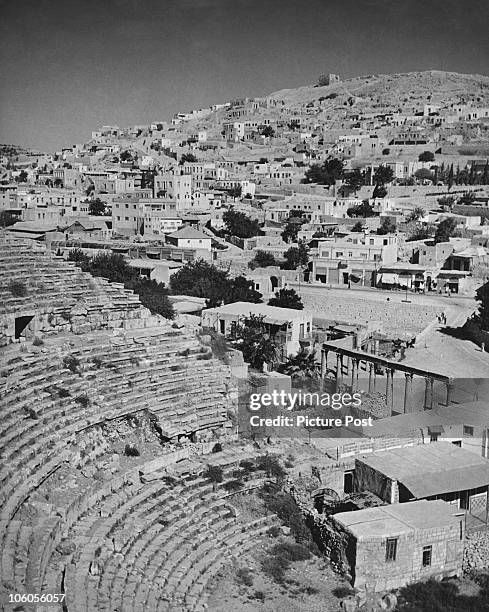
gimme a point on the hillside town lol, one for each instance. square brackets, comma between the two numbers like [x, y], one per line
[163, 284]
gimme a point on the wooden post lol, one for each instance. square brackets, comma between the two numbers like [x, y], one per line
[339, 370]
[407, 392]
[389, 392]
[428, 393]
[354, 373]
[324, 362]
[449, 391]
[371, 377]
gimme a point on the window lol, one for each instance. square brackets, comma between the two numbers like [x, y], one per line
[426, 556]
[468, 431]
[391, 549]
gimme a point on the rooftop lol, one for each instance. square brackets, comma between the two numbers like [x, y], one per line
[397, 519]
[189, 233]
[272, 314]
[431, 469]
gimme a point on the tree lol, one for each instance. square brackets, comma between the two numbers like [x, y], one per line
[326, 173]
[450, 177]
[387, 227]
[426, 156]
[251, 336]
[271, 467]
[153, 295]
[187, 158]
[365, 209]
[301, 366]
[383, 175]
[126, 156]
[7, 219]
[423, 174]
[97, 208]
[22, 177]
[290, 232]
[202, 279]
[358, 227]
[240, 225]
[446, 203]
[416, 214]
[114, 267]
[467, 198]
[446, 229]
[286, 298]
[262, 259]
[235, 192]
[482, 296]
[354, 180]
[379, 192]
[81, 259]
[214, 474]
[243, 290]
[296, 257]
[421, 232]
[266, 130]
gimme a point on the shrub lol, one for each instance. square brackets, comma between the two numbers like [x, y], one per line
[284, 506]
[37, 341]
[342, 591]
[259, 595]
[97, 362]
[213, 473]
[72, 363]
[243, 576]
[32, 414]
[281, 556]
[17, 289]
[274, 531]
[82, 400]
[131, 451]
[271, 467]
[233, 485]
[63, 392]
[247, 466]
[217, 448]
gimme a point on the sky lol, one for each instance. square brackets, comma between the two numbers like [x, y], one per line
[69, 66]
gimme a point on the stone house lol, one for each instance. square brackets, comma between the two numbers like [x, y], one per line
[389, 546]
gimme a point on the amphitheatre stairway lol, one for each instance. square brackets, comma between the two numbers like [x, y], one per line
[94, 391]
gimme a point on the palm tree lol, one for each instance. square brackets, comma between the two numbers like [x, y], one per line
[302, 366]
[416, 214]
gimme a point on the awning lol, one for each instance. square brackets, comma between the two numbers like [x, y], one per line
[389, 279]
[435, 429]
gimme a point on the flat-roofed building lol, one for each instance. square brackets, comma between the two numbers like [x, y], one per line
[389, 546]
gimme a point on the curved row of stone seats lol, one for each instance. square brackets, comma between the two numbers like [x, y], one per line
[60, 295]
[188, 393]
[148, 546]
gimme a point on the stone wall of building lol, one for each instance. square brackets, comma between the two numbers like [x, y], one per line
[373, 572]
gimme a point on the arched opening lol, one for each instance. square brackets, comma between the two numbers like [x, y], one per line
[274, 282]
